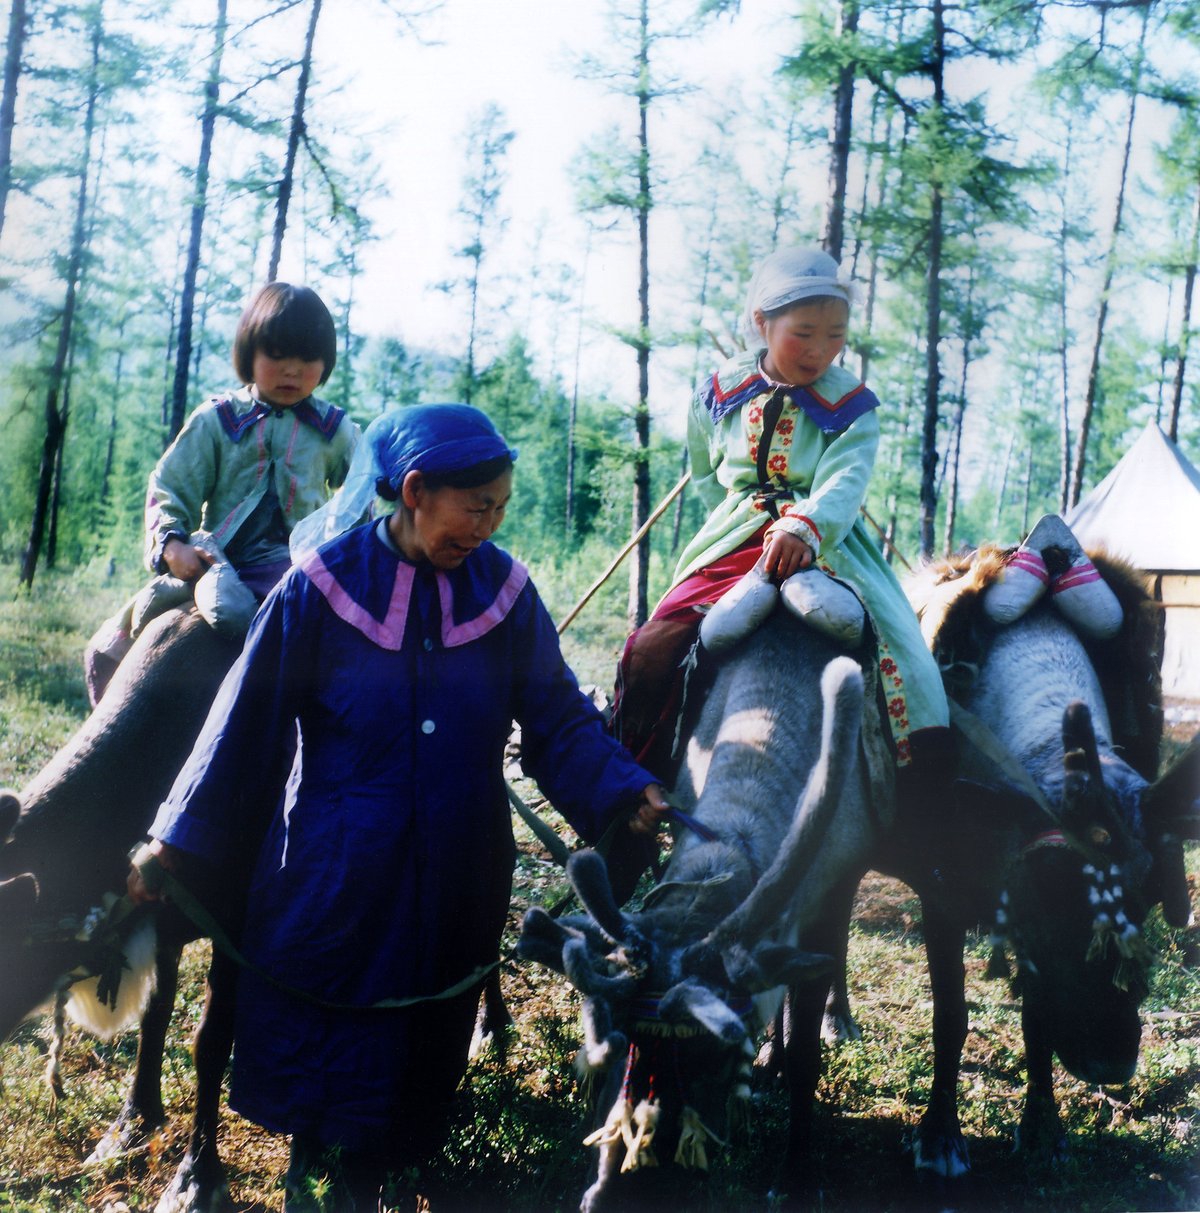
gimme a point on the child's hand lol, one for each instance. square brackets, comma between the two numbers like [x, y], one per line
[785, 554]
[185, 561]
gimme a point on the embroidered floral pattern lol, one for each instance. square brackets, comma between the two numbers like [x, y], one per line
[896, 699]
[781, 440]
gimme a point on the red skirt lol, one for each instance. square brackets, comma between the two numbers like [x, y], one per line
[709, 584]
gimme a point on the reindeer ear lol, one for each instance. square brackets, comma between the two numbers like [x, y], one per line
[10, 810]
[543, 939]
[1172, 803]
[18, 897]
[777, 964]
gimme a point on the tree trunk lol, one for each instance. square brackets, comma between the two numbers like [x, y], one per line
[1064, 416]
[639, 577]
[1028, 492]
[1093, 380]
[573, 414]
[295, 133]
[933, 307]
[1185, 326]
[56, 492]
[839, 142]
[55, 417]
[110, 442]
[954, 453]
[1004, 470]
[779, 201]
[17, 25]
[187, 301]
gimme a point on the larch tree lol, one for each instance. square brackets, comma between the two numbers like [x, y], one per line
[55, 411]
[296, 132]
[618, 177]
[1092, 390]
[487, 142]
[17, 26]
[199, 203]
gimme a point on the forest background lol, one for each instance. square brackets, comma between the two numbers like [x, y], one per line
[1015, 183]
[551, 208]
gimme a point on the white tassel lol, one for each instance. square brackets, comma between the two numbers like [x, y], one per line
[694, 1134]
[618, 1126]
[54, 1055]
[645, 1122]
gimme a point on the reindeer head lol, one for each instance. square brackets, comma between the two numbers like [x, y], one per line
[674, 997]
[1075, 905]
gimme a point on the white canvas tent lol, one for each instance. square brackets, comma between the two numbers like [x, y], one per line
[1147, 511]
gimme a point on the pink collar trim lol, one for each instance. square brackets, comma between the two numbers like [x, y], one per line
[388, 633]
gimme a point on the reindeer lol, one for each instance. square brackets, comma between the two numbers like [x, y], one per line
[1061, 840]
[64, 858]
[777, 793]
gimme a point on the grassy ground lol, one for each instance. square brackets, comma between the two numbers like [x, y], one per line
[516, 1144]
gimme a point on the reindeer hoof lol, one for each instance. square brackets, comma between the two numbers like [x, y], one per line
[492, 1033]
[198, 1187]
[839, 1028]
[1040, 1134]
[128, 1134]
[938, 1149]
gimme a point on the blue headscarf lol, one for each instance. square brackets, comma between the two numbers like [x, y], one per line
[433, 438]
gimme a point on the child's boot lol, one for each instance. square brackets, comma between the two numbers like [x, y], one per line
[157, 596]
[826, 604]
[739, 612]
[224, 600]
[1022, 582]
[1081, 594]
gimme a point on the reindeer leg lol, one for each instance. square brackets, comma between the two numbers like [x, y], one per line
[938, 1146]
[1040, 1133]
[837, 1024]
[804, 1010]
[199, 1183]
[143, 1111]
[493, 1022]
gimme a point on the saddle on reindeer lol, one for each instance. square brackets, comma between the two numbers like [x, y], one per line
[961, 602]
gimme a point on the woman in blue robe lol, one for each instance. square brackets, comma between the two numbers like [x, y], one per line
[393, 660]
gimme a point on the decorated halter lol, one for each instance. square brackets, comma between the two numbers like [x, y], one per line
[1111, 924]
[632, 1122]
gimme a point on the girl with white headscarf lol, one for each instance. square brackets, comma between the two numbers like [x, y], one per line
[782, 442]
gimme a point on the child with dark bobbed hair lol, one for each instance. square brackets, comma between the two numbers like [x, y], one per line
[245, 468]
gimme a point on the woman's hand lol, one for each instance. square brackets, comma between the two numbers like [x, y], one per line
[653, 806]
[785, 554]
[183, 560]
[135, 883]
